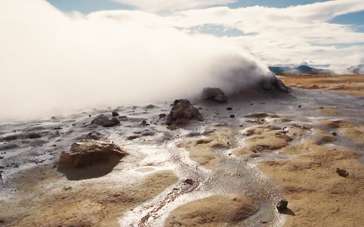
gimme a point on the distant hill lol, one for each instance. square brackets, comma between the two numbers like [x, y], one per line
[298, 69]
[358, 69]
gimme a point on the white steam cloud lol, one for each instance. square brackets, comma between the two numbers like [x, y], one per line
[52, 63]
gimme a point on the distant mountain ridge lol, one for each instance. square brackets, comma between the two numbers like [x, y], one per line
[358, 69]
[298, 69]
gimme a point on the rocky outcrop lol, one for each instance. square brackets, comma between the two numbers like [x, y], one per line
[183, 112]
[274, 83]
[89, 152]
[105, 121]
[90, 158]
[214, 94]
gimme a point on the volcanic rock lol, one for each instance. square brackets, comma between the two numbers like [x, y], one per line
[273, 83]
[8, 146]
[282, 206]
[214, 94]
[182, 112]
[105, 121]
[92, 136]
[88, 152]
[342, 172]
[31, 135]
[90, 158]
[162, 115]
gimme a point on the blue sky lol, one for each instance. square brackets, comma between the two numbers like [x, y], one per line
[86, 6]
[354, 19]
[272, 3]
[93, 5]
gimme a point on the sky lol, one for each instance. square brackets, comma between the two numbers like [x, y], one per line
[300, 31]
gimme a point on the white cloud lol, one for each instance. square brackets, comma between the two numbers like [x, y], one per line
[287, 35]
[172, 5]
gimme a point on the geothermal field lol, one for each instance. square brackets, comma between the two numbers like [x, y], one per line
[214, 161]
[181, 113]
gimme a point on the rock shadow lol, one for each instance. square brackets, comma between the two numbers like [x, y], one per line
[103, 167]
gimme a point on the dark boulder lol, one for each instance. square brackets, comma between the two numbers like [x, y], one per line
[214, 94]
[105, 121]
[183, 112]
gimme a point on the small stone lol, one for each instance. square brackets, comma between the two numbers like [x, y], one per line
[232, 116]
[133, 137]
[229, 108]
[188, 181]
[282, 206]
[162, 115]
[150, 106]
[92, 135]
[144, 123]
[299, 106]
[342, 172]
[334, 133]
[33, 135]
[67, 188]
[104, 121]
[114, 113]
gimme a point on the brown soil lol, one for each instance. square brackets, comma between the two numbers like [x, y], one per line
[353, 85]
[354, 134]
[317, 195]
[212, 211]
[88, 204]
[308, 178]
[347, 130]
